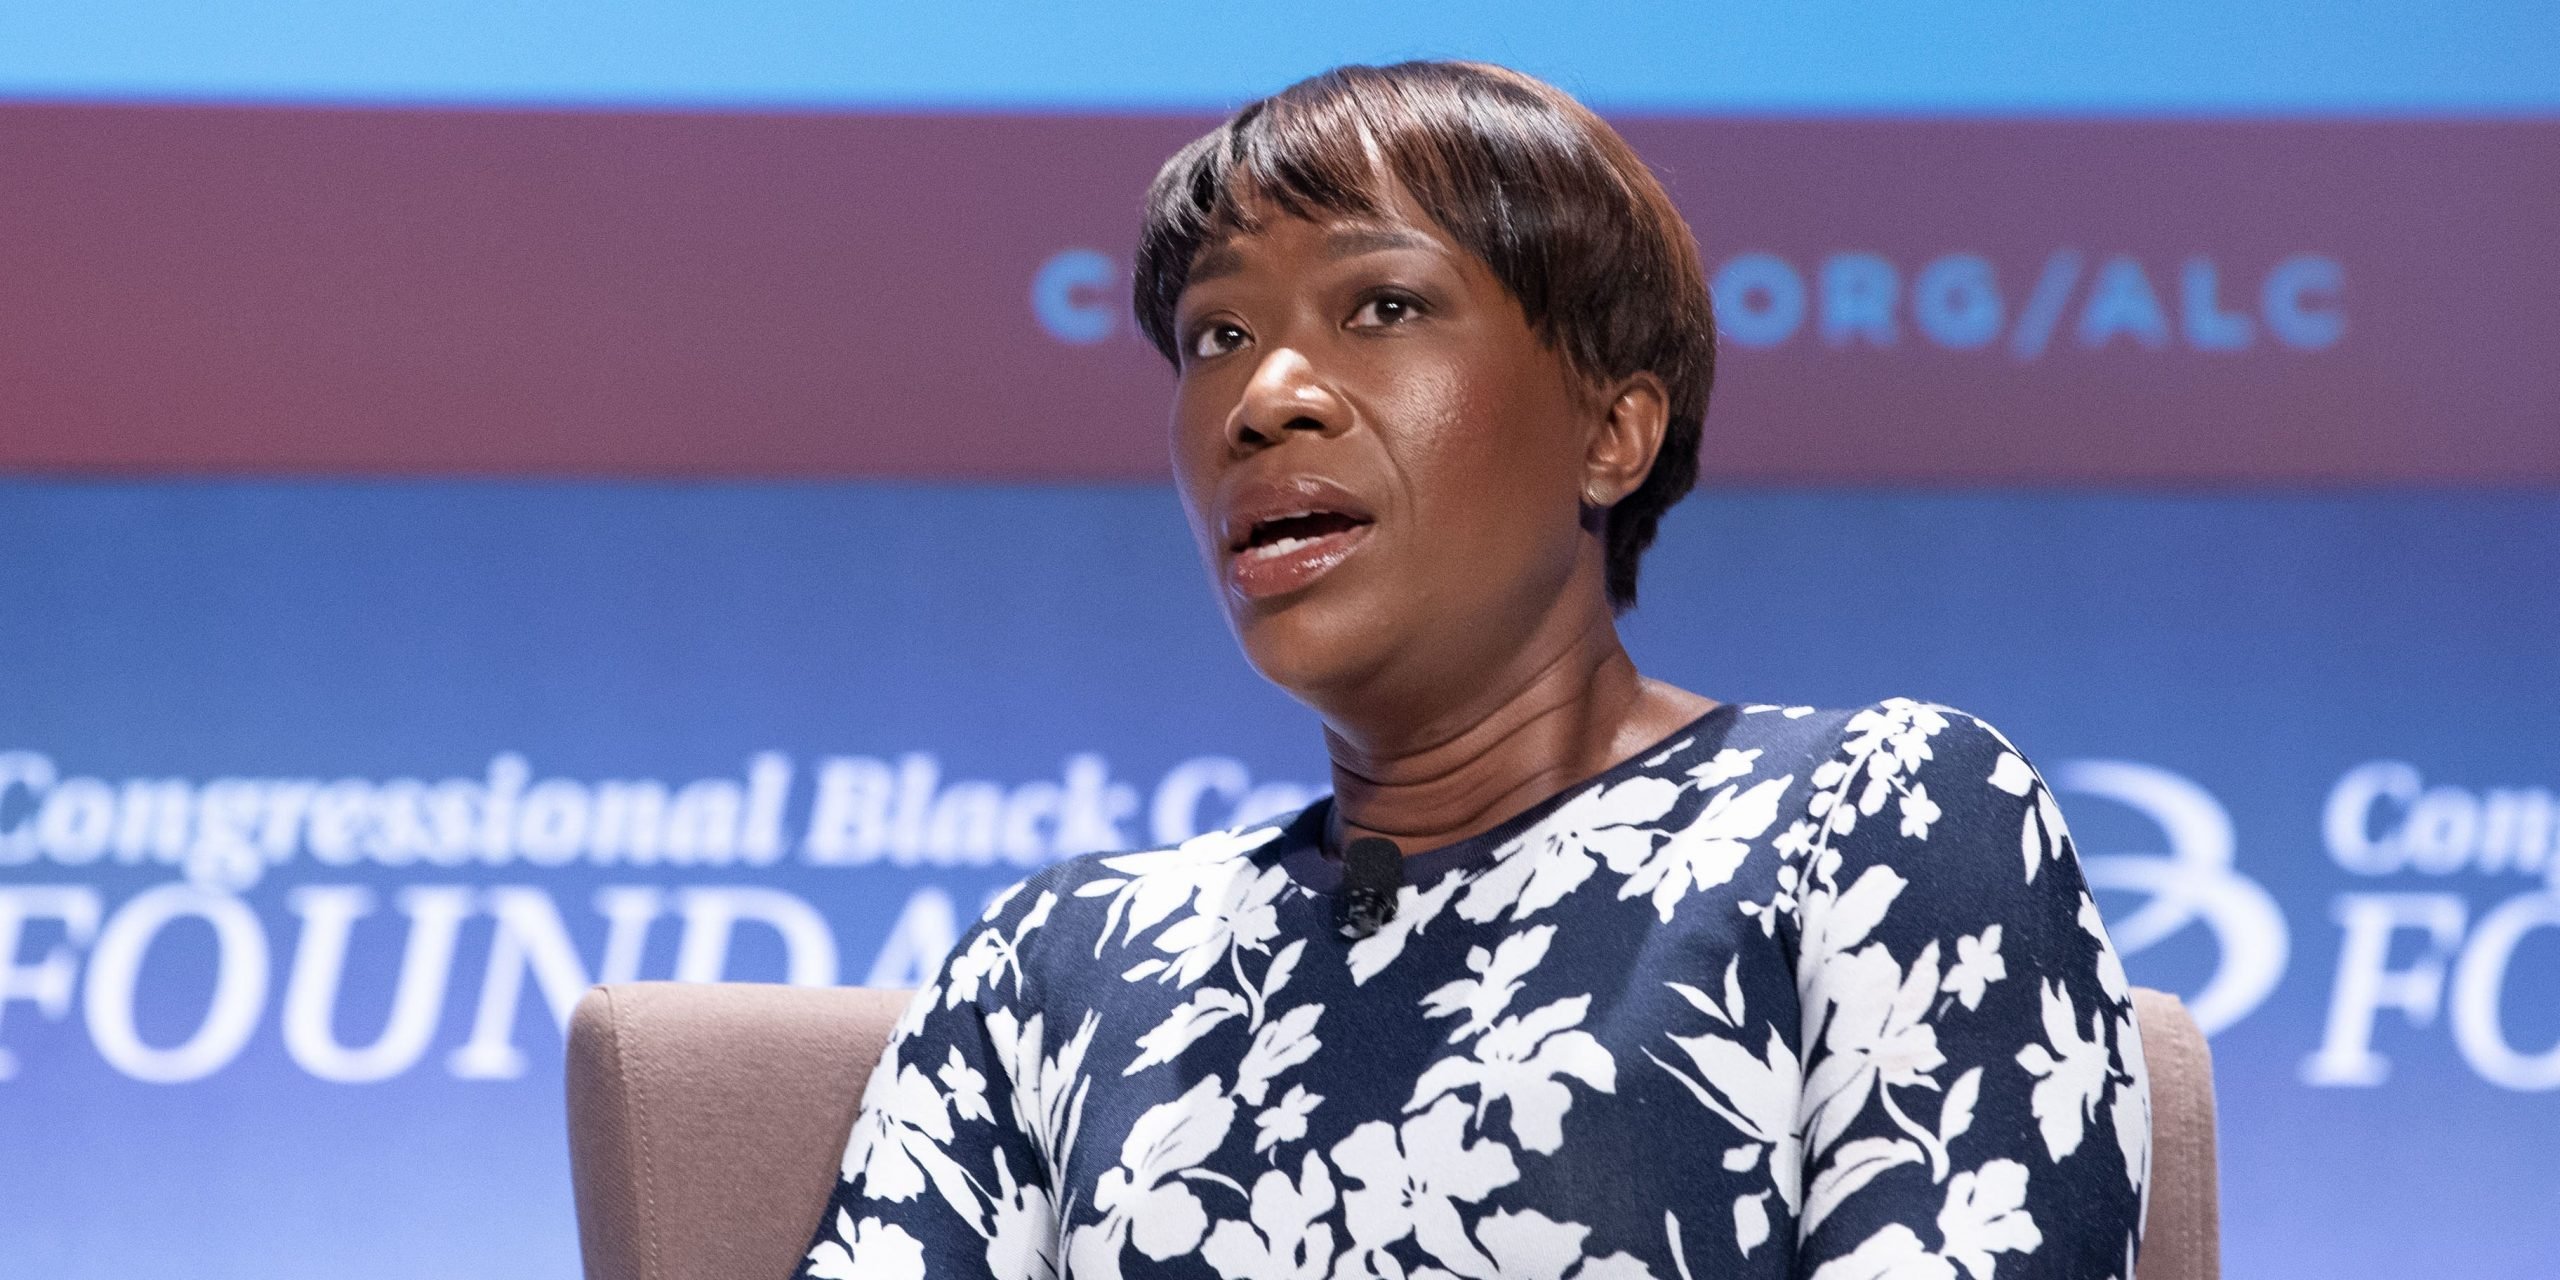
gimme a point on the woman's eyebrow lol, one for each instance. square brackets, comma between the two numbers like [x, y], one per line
[1346, 242]
[1222, 259]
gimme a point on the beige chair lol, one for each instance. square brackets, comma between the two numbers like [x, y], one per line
[706, 1122]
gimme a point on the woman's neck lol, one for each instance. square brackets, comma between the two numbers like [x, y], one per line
[1566, 718]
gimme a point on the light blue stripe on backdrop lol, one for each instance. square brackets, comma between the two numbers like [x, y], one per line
[2175, 57]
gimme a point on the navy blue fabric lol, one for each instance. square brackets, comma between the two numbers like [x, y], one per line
[1793, 993]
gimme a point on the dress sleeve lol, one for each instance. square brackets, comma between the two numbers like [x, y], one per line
[947, 1172]
[1974, 1099]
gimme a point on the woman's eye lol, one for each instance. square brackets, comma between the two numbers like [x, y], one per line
[1385, 310]
[1216, 340]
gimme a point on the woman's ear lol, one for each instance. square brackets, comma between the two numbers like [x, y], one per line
[1624, 439]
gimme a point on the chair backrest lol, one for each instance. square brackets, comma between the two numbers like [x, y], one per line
[707, 1121]
[2182, 1226]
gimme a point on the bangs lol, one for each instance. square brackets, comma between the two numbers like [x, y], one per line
[1461, 143]
[1302, 159]
[1276, 156]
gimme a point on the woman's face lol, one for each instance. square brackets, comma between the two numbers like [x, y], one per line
[1383, 463]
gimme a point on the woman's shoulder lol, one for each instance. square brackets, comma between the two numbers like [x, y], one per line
[1104, 871]
[1091, 897]
[1903, 733]
[1165, 870]
[1904, 777]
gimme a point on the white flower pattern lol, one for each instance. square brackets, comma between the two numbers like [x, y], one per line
[1793, 994]
[867, 1250]
[1520, 1061]
[1411, 1181]
[1285, 1237]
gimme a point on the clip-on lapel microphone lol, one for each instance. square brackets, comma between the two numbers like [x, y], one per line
[1372, 875]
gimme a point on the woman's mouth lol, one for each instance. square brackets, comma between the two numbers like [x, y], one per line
[1288, 552]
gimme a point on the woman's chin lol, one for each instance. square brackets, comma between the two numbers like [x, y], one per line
[1314, 651]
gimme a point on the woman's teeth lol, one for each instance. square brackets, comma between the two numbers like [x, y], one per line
[1282, 547]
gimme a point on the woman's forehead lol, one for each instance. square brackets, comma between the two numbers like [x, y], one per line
[1386, 217]
[1331, 239]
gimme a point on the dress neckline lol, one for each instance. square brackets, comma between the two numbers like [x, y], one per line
[1300, 849]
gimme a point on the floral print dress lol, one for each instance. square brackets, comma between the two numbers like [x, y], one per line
[1795, 993]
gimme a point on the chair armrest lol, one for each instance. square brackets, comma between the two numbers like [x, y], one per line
[707, 1121]
[2182, 1229]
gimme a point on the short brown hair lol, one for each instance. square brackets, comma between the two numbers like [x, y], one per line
[1529, 180]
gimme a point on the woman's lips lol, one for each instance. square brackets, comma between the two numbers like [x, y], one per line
[1290, 564]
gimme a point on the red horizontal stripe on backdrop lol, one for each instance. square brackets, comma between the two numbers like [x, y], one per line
[221, 290]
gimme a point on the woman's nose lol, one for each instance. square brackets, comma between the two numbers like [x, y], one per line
[1284, 395]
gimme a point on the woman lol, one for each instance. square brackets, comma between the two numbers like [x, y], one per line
[1672, 987]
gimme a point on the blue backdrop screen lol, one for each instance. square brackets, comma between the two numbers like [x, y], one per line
[319, 803]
